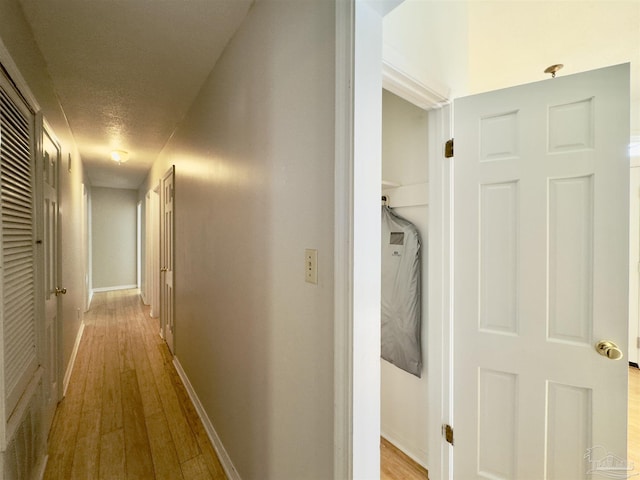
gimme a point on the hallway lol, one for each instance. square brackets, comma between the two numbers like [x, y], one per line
[126, 413]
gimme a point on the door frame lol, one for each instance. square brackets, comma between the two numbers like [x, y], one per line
[154, 237]
[356, 257]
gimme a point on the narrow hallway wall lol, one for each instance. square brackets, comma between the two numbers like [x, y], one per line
[254, 188]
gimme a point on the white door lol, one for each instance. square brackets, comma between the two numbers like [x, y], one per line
[52, 288]
[541, 199]
[166, 257]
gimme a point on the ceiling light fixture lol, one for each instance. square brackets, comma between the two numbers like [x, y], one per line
[119, 156]
[553, 69]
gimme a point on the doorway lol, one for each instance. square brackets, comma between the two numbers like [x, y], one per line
[403, 395]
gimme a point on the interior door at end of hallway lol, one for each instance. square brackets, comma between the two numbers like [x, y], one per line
[540, 256]
[167, 235]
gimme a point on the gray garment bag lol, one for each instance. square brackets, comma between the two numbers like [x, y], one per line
[401, 293]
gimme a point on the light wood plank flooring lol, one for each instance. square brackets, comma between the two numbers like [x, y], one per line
[396, 465]
[126, 413]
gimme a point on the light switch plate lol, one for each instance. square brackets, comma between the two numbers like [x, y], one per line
[311, 266]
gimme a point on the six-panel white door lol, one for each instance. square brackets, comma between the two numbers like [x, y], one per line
[52, 289]
[167, 232]
[541, 199]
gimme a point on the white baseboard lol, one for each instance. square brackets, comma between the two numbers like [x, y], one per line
[223, 456]
[72, 360]
[115, 287]
[409, 452]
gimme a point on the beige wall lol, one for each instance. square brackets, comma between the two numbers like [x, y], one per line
[113, 237]
[16, 37]
[254, 187]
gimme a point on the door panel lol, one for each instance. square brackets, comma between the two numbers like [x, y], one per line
[50, 173]
[167, 194]
[540, 276]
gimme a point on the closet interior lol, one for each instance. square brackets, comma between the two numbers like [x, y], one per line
[404, 189]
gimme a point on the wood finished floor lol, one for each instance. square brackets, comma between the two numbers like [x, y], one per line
[126, 414]
[395, 465]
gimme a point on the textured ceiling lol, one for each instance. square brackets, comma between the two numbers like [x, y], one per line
[126, 72]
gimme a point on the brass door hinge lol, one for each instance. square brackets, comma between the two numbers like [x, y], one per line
[448, 149]
[447, 431]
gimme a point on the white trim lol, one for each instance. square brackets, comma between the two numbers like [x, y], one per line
[72, 360]
[412, 90]
[343, 244]
[367, 177]
[115, 287]
[439, 351]
[223, 456]
[353, 453]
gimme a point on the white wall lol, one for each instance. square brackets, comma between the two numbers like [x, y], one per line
[113, 237]
[254, 188]
[428, 41]
[531, 35]
[404, 397]
[404, 141]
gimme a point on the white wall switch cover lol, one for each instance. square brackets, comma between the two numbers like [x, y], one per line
[311, 266]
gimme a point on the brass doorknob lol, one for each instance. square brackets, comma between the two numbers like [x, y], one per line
[164, 269]
[609, 349]
[61, 291]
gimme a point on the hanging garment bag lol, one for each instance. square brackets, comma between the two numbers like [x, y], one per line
[401, 292]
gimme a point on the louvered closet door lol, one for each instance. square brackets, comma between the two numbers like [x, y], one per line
[18, 267]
